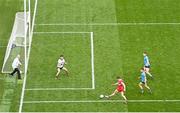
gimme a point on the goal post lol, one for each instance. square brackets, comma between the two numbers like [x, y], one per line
[30, 6]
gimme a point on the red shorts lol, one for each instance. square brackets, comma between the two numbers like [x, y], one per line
[120, 89]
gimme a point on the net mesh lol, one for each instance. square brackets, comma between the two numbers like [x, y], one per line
[16, 42]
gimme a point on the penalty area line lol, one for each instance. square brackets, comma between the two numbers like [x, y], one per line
[3, 46]
[92, 60]
[100, 101]
[108, 24]
[60, 32]
[48, 89]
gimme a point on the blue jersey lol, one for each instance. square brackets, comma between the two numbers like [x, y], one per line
[146, 61]
[143, 77]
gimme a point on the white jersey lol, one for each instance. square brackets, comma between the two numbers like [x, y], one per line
[61, 63]
[16, 63]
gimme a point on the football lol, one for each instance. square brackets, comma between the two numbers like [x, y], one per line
[101, 96]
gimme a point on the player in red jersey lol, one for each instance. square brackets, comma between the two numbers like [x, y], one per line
[121, 88]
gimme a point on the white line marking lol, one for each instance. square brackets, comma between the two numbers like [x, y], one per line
[108, 24]
[6, 99]
[92, 60]
[60, 32]
[3, 46]
[25, 60]
[16, 46]
[44, 89]
[25, 77]
[92, 64]
[100, 101]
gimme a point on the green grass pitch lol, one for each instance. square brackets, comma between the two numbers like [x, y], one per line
[65, 27]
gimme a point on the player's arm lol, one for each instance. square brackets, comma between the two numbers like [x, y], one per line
[145, 80]
[147, 61]
[65, 62]
[19, 63]
[115, 84]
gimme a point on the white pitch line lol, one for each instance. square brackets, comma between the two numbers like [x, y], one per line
[100, 101]
[92, 63]
[60, 32]
[108, 24]
[25, 77]
[92, 60]
[48, 89]
[3, 46]
[16, 46]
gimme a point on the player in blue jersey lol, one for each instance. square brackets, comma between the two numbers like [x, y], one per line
[147, 64]
[143, 81]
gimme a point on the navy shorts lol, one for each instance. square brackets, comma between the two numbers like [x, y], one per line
[142, 82]
[60, 68]
[147, 66]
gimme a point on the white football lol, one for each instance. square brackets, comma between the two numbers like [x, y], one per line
[101, 96]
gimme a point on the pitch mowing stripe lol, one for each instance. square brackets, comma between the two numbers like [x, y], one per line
[48, 89]
[107, 24]
[100, 101]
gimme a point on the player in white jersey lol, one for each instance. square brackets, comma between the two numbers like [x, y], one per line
[60, 66]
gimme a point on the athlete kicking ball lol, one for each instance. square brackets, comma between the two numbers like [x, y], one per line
[121, 88]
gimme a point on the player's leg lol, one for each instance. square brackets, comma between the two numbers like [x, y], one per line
[116, 91]
[14, 71]
[141, 87]
[148, 87]
[66, 70]
[58, 72]
[147, 71]
[18, 73]
[122, 94]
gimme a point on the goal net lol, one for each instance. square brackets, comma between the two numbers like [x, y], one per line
[20, 38]
[16, 42]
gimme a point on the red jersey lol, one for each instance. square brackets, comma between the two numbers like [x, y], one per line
[120, 86]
